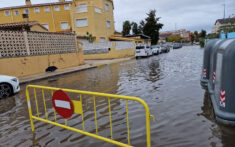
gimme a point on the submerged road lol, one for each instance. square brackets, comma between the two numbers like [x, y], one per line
[169, 83]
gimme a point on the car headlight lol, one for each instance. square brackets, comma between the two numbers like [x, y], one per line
[15, 80]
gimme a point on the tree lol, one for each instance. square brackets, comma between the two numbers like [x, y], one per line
[90, 37]
[151, 26]
[192, 38]
[196, 36]
[212, 36]
[174, 38]
[203, 34]
[135, 28]
[126, 28]
[202, 42]
[141, 26]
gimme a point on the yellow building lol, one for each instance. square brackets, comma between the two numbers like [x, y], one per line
[24, 26]
[138, 39]
[81, 16]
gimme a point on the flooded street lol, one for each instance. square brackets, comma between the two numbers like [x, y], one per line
[168, 83]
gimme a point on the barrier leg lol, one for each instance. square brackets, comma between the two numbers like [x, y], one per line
[30, 110]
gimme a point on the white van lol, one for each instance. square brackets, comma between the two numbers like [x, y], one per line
[143, 51]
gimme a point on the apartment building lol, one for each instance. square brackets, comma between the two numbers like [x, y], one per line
[80, 16]
[222, 24]
[184, 34]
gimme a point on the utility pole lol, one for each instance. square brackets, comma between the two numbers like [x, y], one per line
[224, 9]
[175, 27]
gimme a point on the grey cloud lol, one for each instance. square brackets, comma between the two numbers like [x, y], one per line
[188, 14]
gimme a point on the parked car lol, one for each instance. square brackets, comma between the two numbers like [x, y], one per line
[143, 51]
[177, 45]
[8, 86]
[150, 51]
[165, 48]
[156, 49]
[160, 49]
[168, 47]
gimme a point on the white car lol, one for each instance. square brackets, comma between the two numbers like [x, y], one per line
[8, 86]
[143, 51]
[156, 49]
[150, 51]
[160, 50]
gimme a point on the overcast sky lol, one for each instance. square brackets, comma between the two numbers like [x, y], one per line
[175, 14]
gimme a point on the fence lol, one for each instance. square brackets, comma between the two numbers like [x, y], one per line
[96, 46]
[78, 109]
[228, 35]
[106, 47]
[19, 43]
[123, 45]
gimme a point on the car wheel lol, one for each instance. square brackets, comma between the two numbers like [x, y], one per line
[5, 90]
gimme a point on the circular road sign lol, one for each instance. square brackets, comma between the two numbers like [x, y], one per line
[62, 104]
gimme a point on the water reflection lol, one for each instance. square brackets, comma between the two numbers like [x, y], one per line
[7, 104]
[207, 108]
[169, 83]
[101, 80]
[225, 133]
[154, 74]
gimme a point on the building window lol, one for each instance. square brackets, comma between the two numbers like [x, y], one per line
[7, 13]
[82, 22]
[64, 25]
[82, 8]
[98, 10]
[46, 26]
[108, 24]
[16, 12]
[57, 8]
[66, 7]
[36, 10]
[102, 39]
[47, 9]
[26, 11]
[107, 7]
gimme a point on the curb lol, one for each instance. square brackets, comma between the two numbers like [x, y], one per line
[68, 72]
[55, 75]
[102, 65]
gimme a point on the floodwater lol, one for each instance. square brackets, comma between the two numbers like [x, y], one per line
[168, 83]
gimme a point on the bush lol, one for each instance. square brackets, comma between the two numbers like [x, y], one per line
[202, 42]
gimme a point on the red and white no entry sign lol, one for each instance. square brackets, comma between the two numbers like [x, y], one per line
[62, 104]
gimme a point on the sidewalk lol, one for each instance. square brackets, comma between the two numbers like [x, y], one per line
[89, 64]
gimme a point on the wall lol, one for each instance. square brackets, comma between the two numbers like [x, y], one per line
[123, 45]
[25, 66]
[112, 54]
[18, 43]
[27, 53]
[101, 45]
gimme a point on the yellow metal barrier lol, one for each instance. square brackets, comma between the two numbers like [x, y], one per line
[80, 111]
